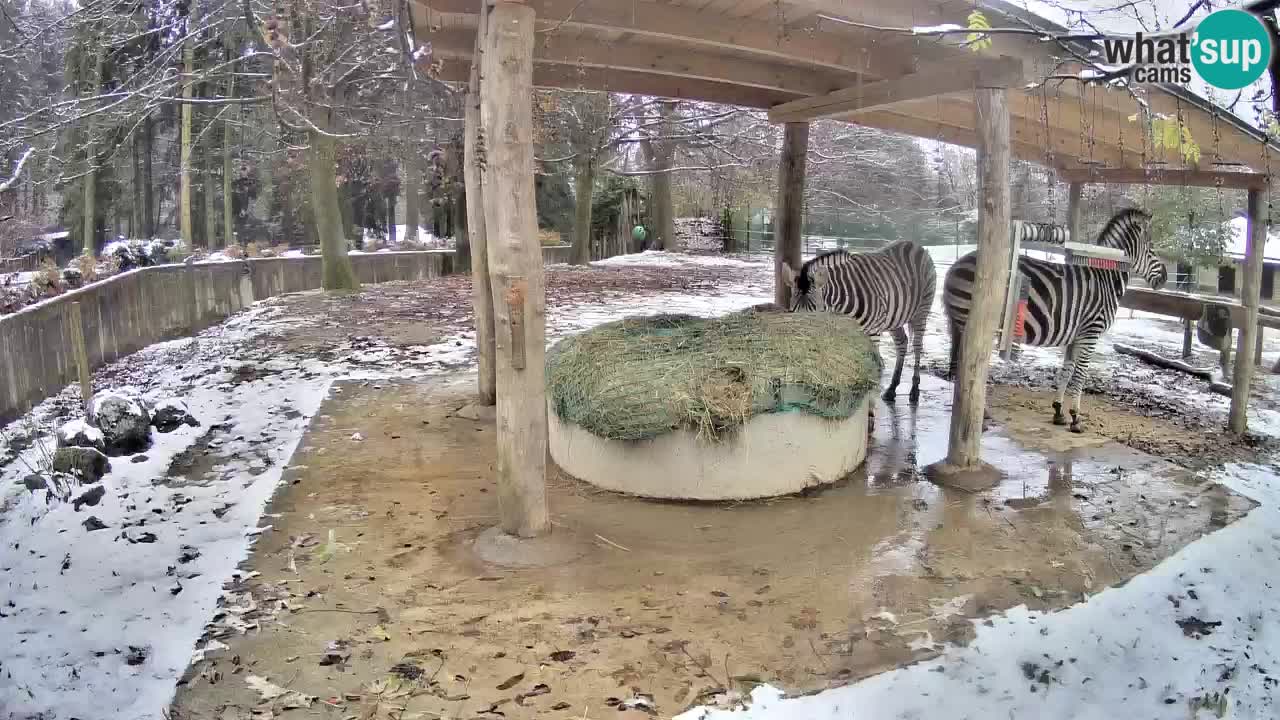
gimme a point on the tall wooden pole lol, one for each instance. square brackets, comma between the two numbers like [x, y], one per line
[788, 222]
[992, 124]
[1074, 191]
[473, 173]
[515, 267]
[1249, 293]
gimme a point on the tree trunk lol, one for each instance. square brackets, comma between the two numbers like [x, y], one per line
[211, 182]
[148, 194]
[138, 212]
[411, 221]
[321, 164]
[90, 184]
[516, 265]
[789, 218]
[391, 218]
[583, 183]
[664, 226]
[228, 208]
[185, 225]
[991, 277]
[1249, 292]
[473, 169]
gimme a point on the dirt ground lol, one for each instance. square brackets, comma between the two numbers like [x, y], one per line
[368, 599]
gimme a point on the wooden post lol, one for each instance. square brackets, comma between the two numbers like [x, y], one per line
[1257, 354]
[991, 274]
[1186, 338]
[789, 216]
[1250, 290]
[1012, 285]
[1074, 191]
[473, 171]
[82, 358]
[515, 267]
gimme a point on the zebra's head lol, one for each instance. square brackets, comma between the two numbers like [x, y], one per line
[808, 287]
[1130, 230]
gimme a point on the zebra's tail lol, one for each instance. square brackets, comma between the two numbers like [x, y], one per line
[957, 295]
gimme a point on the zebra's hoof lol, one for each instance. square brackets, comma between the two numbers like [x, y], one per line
[889, 395]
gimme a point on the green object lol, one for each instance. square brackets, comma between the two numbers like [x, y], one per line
[1231, 49]
[639, 378]
[638, 233]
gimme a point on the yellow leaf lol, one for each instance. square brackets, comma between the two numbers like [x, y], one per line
[978, 21]
[379, 633]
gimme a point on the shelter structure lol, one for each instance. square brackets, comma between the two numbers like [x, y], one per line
[1026, 90]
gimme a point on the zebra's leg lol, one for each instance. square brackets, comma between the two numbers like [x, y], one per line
[918, 324]
[900, 352]
[1083, 356]
[1064, 375]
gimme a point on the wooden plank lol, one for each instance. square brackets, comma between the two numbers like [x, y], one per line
[789, 222]
[481, 287]
[664, 60]
[928, 82]
[1074, 212]
[1165, 176]
[690, 28]
[1243, 376]
[515, 265]
[990, 276]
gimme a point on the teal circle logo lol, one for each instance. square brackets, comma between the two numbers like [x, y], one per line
[1231, 49]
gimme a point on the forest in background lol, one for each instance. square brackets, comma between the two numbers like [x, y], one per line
[241, 126]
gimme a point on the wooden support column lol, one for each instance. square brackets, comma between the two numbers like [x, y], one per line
[992, 124]
[1249, 298]
[472, 172]
[1074, 192]
[515, 267]
[788, 222]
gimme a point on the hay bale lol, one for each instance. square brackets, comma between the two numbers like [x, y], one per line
[639, 378]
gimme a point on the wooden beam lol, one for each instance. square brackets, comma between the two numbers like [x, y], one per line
[992, 123]
[789, 215]
[1168, 176]
[927, 82]
[624, 81]
[481, 287]
[515, 264]
[665, 60]
[1243, 376]
[1074, 212]
[686, 26]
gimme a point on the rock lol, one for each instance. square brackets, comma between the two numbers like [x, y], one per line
[93, 523]
[170, 414]
[86, 464]
[35, 482]
[124, 422]
[81, 434]
[89, 497]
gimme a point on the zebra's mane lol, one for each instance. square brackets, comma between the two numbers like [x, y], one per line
[1119, 232]
[804, 278]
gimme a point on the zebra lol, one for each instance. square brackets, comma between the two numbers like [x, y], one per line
[884, 290]
[1069, 306]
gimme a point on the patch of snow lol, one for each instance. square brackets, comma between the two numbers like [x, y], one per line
[928, 29]
[80, 427]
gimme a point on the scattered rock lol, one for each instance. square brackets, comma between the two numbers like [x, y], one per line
[90, 497]
[81, 434]
[124, 422]
[137, 655]
[93, 523]
[35, 482]
[1194, 627]
[138, 459]
[86, 464]
[171, 414]
[145, 538]
[563, 655]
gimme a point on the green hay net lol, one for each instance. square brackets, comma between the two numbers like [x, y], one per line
[639, 378]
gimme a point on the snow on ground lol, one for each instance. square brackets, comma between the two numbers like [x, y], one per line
[1199, 626]
[102, 623]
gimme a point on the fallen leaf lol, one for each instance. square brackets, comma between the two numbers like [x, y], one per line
[380, 633]
[511, 682]
[563, 655]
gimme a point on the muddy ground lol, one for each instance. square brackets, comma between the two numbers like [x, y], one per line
[367, 594]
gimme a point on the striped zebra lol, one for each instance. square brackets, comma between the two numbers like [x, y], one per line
[1047, 233]
[884, 290]
[1069, 306]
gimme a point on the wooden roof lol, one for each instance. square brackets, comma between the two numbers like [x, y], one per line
[800, 55]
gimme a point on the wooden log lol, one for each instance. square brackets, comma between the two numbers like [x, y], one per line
[1249, 298]
[515, 266]
[1187, 338]
[789, 222]
[991, 274]
[1159, 361]
[82, 358]
[473, 170]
